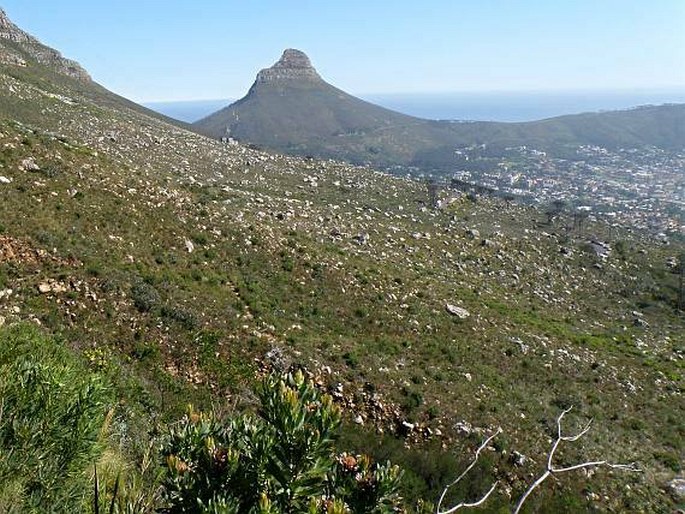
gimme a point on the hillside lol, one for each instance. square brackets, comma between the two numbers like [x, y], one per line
[178, 269]
[298, 112]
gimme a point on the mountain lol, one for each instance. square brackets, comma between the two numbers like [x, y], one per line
[18, 48]
[25, 59]
[174, 270]
[291, 108]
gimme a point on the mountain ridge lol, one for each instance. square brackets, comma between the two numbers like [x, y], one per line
[34, 49]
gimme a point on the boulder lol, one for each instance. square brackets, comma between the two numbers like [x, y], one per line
[459, 312]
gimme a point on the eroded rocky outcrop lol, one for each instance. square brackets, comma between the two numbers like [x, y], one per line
[19, 48]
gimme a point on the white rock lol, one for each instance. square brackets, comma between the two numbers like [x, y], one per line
[677, 487]
[29, 164]
[459, 312]
[5, 180]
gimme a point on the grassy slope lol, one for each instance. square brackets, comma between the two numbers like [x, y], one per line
[275, 263]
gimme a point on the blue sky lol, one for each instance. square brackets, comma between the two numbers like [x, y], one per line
[181, 50]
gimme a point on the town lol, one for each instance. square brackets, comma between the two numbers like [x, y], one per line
[642, 189]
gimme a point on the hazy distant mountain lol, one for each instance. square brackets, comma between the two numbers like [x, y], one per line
[291, 108]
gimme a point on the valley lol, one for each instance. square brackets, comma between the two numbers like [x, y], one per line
[180, 269]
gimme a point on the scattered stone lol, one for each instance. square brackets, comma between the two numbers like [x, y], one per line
[190, 247]
[640, 323]
[677, 488]
[518, 459]
[5, 180]
[459, 312]
[361, 239]
[29, 164]
[2, 321]
[51, 287]
[407, 428]
[473, 233]
[463, 428]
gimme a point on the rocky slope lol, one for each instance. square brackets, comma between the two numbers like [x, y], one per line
[182, 267]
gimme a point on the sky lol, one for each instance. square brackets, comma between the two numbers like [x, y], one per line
[166, 50]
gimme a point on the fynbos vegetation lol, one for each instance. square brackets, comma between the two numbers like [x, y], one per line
[144, 267]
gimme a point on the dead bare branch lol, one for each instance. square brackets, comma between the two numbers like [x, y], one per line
[460, 477]
[550, 470]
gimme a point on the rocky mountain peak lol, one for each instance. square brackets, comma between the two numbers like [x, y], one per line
[293, 65]
[10, 31]
[27, 48]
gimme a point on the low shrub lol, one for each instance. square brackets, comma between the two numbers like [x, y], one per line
[51, 413]
[281, 460]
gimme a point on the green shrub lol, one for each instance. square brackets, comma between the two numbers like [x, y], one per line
[145, 297]
[51, 414]
[282, 460]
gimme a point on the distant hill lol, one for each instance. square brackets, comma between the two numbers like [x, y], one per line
[291, 108]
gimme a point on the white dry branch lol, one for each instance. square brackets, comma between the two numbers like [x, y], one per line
[460, 477]
[551, 470]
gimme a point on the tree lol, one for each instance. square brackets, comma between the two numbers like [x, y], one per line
[554, 210]
[550, 469]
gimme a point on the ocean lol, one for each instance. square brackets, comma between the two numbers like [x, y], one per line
[505, 106]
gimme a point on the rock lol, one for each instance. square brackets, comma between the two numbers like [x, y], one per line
[640, 323]
[407, 428]
[5, 180]
[473, 233]
[677, 488]
[2, 321]
[41, 53]
[293, 65]
[189, 246]
[361, 239]
[518, 459]
[359, 420]
[459, 312]
[51, 287]
[463, 428]
[29, 164]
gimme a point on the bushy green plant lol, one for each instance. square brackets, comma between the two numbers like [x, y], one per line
[145, 297]
[51, 415]
[281, 461]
